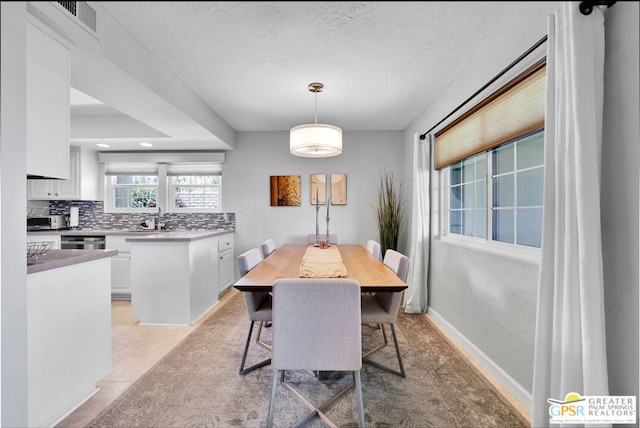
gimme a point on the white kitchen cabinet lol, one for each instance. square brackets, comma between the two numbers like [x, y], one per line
[174, 277]
[225, 262]
[120, 267]
[81, 185]
[56, 189]
[69, 338]
[48, 110]
[39, 237]
[49, 189]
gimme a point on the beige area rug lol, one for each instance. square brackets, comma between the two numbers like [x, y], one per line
[197, 384]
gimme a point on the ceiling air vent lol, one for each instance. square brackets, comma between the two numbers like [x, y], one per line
[82, 11]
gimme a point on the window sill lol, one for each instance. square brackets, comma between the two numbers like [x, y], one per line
[194, 211]
[140, 211]
[513, 251]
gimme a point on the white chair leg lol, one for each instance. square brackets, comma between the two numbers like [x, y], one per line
[272, 401]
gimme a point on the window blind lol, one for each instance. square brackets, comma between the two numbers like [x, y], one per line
[174, 169]
[146, 163]
[131, 168]
[513, 111]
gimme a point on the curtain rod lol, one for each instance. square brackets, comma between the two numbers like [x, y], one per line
[586, 7]
[486, 85]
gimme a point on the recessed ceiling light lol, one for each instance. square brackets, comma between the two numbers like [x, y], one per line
[146, 144]
[102, 145]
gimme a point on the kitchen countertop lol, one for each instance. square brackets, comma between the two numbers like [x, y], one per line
[177, 236]
[60, 258]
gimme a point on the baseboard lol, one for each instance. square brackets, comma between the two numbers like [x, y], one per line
[120, 296]
[494, 373]
[84, 397]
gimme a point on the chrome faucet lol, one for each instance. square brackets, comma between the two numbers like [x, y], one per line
[161, 224]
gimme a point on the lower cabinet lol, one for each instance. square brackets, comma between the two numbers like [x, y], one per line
[174, 281]
[68, 338]
[225, 262]
[120, 267]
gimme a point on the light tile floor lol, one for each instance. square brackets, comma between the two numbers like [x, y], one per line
[135, 349]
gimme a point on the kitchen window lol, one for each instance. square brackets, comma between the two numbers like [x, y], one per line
[132, 193]
[196, 193]
[135, 191]
[143, 187]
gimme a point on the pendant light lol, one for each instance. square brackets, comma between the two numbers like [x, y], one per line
[315, 140]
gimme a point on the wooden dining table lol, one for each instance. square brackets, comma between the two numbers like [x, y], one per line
[285, 262]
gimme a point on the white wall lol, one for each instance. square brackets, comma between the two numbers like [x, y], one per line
[489, 299]
[13, 193]
[259, 155]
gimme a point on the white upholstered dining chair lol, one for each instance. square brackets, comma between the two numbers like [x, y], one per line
[382, 308]
[374, 248]
[316, 326]
[268, 247]
[259, 307]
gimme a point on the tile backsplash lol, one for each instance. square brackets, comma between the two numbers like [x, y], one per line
[93, 217]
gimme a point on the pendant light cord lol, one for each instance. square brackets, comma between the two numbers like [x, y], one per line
[316, 115]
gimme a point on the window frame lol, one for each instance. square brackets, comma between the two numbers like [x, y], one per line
[487, 244]
[110, 196]
[463, 183]
[163, 196]
[515, 172]
[171, 208]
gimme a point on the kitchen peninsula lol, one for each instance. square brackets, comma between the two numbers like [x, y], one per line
[176, 277]
[69, 330]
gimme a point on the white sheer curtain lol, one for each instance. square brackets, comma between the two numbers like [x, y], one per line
[570, 345]
[416, 294]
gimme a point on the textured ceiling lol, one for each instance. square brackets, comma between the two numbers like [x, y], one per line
[382, 63]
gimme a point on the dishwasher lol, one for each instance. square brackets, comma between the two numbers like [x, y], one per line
[82, 242]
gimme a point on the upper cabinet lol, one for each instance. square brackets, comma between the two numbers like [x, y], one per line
[83, 182]
[48, 111]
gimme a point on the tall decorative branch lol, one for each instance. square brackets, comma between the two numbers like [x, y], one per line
[389, 212]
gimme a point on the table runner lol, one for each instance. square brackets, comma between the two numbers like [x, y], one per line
[322, 263]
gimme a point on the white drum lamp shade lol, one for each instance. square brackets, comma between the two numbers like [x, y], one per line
[315, 140]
